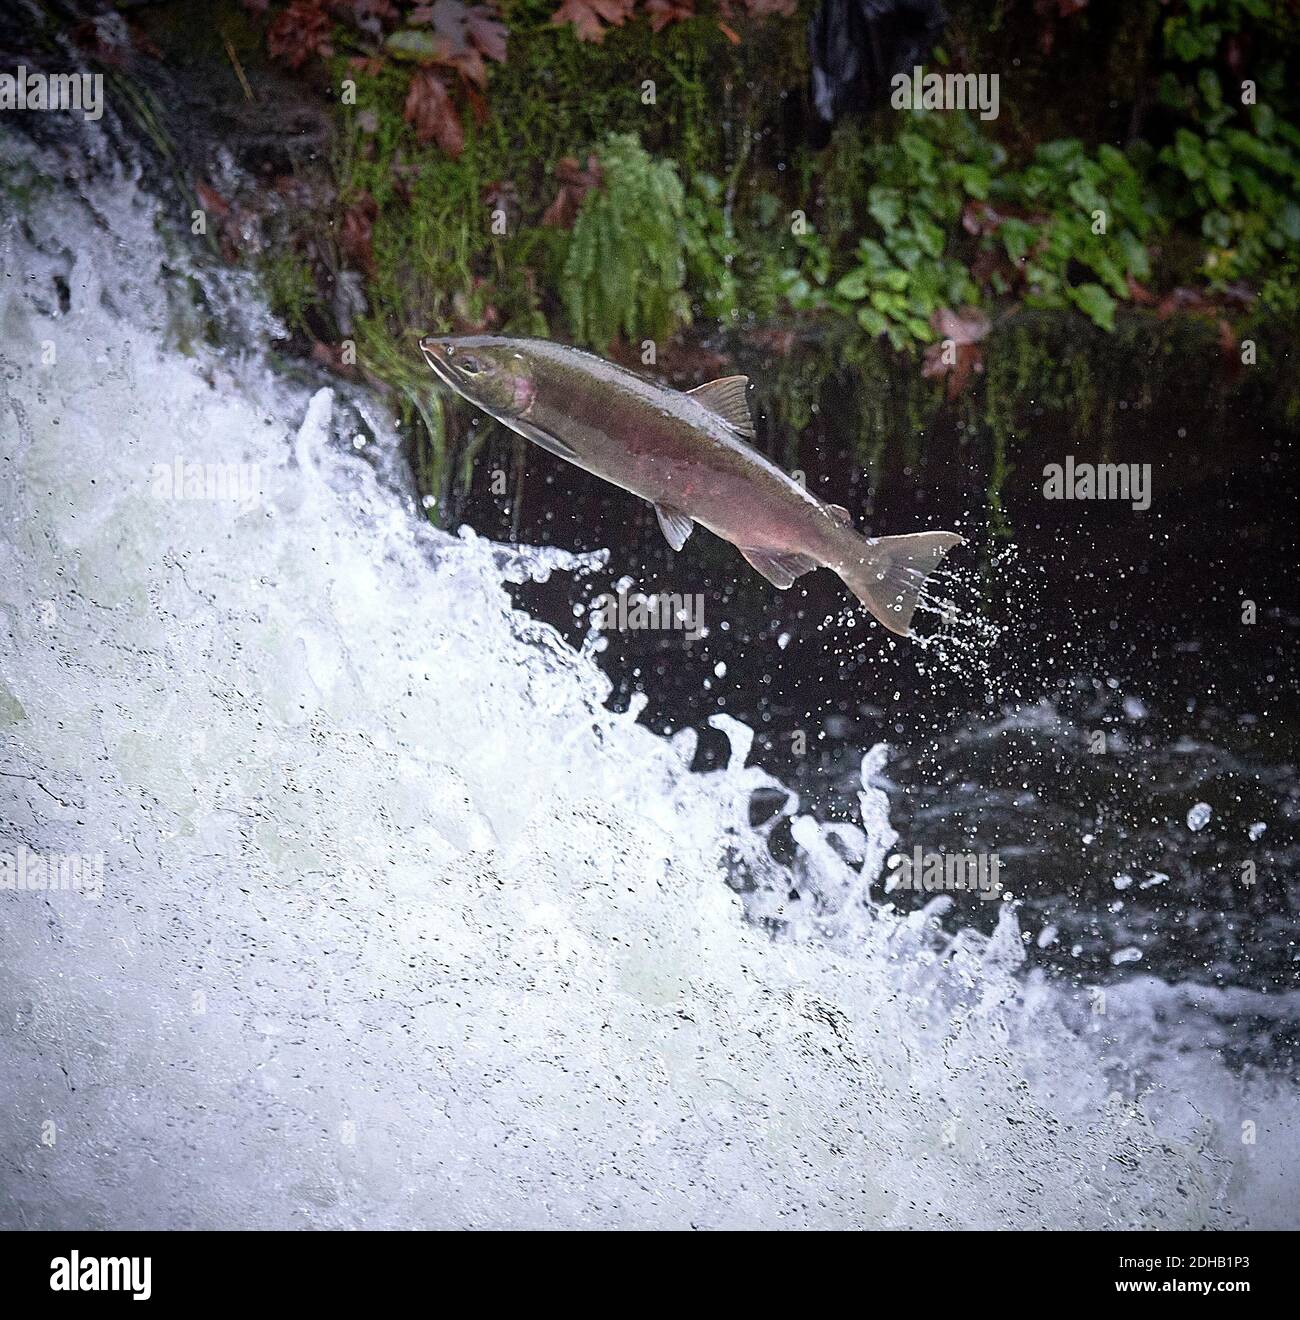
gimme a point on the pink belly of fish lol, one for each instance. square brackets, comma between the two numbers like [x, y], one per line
[730, 504]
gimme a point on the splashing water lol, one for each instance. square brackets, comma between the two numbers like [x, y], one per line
[400, 926]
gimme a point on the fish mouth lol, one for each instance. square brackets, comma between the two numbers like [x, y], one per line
[435, 352]
[436, 355]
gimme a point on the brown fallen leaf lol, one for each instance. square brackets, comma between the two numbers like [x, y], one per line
[591, 19]
[980, 218]
[968, 326]
[1140, 294]
[768, 8]
[1230, 347]
[575, 183]
[300, 32]
[430, 110]
[958, 354]
[664, 12]
[211, 200]
[463, 36]
[356, 234]
[373, 16]
[774, 339]
[465, 320]
[1182, 299]
[487, 31]
[330, 356]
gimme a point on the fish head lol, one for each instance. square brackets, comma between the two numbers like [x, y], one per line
[487, 370]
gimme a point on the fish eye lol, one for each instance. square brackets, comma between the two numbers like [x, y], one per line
[471, 366]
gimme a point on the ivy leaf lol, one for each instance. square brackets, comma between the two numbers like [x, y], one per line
[885, 206]
[1095, 303]
[430, 110]
[1187, 150]
[1219, 182]
[1217, 227]
[1136, 261]
[591, 19]
[872, 322]
[1289, 221]
[975, 179]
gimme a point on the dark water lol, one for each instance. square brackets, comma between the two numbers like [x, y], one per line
[1123, 691]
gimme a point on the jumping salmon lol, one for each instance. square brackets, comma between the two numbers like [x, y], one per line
[687, 454]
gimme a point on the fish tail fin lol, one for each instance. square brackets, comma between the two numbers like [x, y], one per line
[888, 573]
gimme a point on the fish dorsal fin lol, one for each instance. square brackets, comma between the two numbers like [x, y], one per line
[840, 514]
[779, 568]
[676, 525]
[726, 397]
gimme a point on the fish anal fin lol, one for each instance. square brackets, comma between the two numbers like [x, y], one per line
[726, 397]
[840, 514]
[779, 567]
[675, 524]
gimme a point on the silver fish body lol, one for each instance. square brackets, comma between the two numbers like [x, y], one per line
[687, 454]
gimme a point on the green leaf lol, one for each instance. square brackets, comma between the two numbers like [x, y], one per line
[930, 238]
[409, 44]
[1219, 182]
[1208, 81]
[1095, 303]
[1136, 260]
[1187, 150]
[1016, 236]
[975, 179]
[1217, 227]
[921, 151]
[872, 321]
[885, 206]
[1289, 221]
[906, 251]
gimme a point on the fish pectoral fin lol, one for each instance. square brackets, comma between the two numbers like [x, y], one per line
[840, 514]
[542, 439]
[726, 397]
[780, 568]
[676, 525]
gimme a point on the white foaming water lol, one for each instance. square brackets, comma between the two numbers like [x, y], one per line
[400, 927]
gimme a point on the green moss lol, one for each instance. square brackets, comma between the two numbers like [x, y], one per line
[290, 286]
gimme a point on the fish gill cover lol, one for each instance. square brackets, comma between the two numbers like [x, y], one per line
[398, 925]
